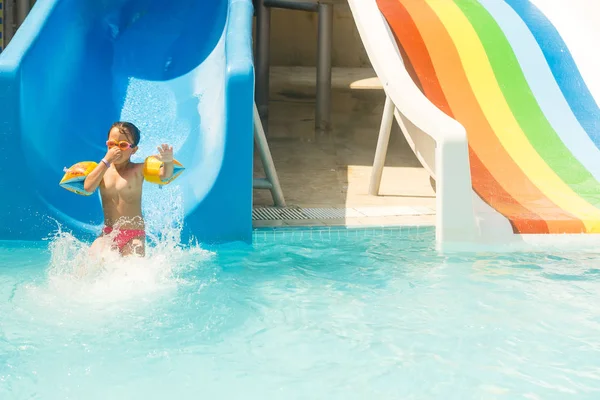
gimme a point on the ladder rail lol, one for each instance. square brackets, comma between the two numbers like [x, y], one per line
[272, 180]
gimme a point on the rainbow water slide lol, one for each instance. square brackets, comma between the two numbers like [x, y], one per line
[502, 93]
[180, 70]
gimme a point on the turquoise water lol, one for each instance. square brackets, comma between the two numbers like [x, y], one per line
[377, 316]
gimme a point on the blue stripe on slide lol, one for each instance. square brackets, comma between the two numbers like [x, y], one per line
[543, 85]
[563, 67]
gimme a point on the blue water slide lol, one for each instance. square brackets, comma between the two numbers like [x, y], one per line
[182, 71]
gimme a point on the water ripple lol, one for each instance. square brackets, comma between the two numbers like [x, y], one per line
[378, 317]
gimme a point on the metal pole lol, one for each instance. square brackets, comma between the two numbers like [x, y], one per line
[2, 29]
[263, 35]
[9, 21]
[262, 183]
[23, 7]
[382, 146]
[267, 160]
[323, 107]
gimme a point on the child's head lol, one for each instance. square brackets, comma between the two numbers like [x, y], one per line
[124, 132]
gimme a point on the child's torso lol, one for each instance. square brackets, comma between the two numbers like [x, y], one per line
[121, 193]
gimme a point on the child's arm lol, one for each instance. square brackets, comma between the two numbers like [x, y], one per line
[166, 156]
[93, 180]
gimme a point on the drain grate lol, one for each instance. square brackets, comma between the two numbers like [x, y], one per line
[297, 213]
[325, 213]
[275, 214]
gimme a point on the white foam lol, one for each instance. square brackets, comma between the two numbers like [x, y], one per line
[77, 276]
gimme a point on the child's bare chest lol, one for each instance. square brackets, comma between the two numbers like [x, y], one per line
[126, 186]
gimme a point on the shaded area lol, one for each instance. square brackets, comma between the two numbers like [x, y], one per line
[333, 169]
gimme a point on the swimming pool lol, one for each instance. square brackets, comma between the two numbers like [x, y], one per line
[319, 314]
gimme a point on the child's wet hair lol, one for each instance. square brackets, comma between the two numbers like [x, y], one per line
[128, 129]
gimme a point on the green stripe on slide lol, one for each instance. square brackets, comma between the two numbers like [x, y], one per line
[524, 106]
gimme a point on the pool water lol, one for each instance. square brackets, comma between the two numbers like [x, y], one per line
[342, 316]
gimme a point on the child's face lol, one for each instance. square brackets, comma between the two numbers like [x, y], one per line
[117, 136]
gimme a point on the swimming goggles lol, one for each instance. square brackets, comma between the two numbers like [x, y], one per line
[123, 145]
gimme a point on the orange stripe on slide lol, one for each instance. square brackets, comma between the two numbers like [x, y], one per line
[413, 46]
[482, 138]
[483, 143]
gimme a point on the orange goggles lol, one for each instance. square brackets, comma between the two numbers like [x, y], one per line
[123, 145]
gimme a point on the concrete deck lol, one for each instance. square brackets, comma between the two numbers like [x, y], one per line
[332, 170]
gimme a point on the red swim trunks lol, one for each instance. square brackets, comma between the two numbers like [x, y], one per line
[124, 236]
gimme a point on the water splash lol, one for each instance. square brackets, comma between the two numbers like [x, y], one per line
[77, 275]
[153, 108]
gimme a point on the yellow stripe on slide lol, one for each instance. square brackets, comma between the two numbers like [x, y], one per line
[489, 95]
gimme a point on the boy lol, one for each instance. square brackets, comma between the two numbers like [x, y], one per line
[120, 182]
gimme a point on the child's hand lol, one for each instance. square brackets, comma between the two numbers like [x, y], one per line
[165, 153]
[113, 155]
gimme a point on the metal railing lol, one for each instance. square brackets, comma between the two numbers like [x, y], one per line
[271, 182]
[324, 8]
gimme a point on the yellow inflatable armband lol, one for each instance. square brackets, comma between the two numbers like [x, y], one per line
[75, 176]
[152, 170]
